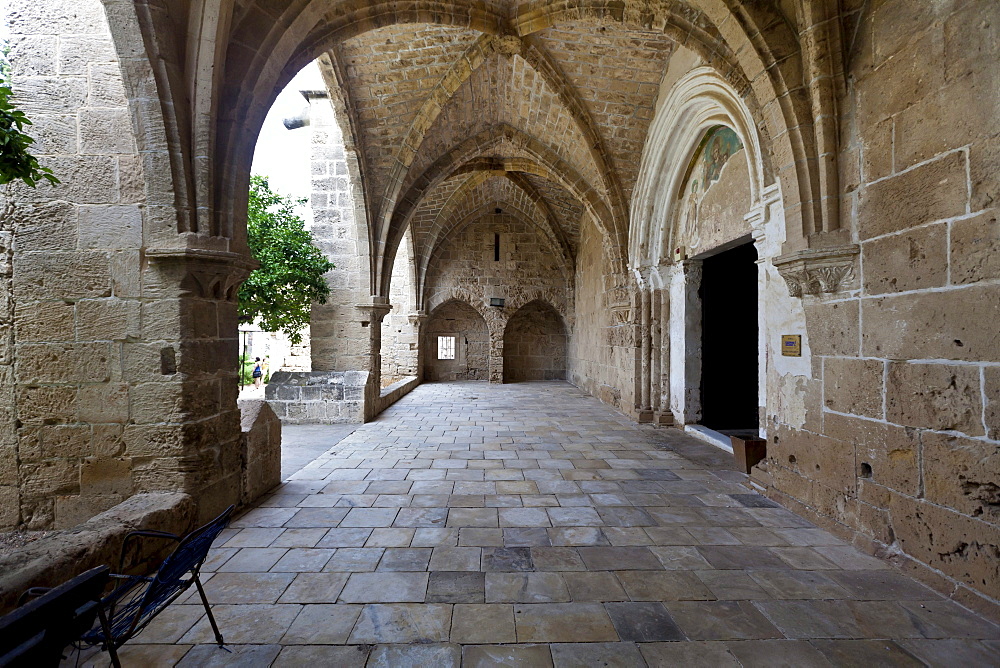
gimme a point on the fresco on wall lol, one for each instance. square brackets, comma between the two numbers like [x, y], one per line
[719, 144]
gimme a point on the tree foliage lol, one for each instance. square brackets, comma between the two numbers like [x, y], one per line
[15, 160]
[290, 277]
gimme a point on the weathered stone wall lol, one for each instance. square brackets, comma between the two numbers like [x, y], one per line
[472, 343]
[318, 397]
[75, 288]
[602, 350]
[260, 452]
[339, 341]
[898, 436]
[534, 345]
[399, 336]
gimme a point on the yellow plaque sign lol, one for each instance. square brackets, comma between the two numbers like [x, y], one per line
[791, 345]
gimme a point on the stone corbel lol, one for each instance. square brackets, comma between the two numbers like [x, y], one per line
[208, 274]
[819, 271]
[417, 319]
[374, 312]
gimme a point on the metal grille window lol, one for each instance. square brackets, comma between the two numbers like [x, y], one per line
[446, 347]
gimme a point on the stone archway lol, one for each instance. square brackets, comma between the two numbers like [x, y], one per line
[534, 344]
[457, 343]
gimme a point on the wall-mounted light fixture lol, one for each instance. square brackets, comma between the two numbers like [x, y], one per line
[496, 301]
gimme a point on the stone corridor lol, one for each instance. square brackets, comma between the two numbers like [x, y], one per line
[531, 525]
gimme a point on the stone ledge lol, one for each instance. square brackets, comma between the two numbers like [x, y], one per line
[54, 559]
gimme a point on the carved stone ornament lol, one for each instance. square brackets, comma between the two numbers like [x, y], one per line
[622, 315]
[818, 271]
[207, 274]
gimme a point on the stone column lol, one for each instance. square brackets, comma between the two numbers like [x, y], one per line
[418, 321]
[371, 317]
[654, 358]
[692, 271]
[663, 415]
[645, 413]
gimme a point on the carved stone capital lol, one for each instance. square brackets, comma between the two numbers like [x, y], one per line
[208, 274]
[374, 312]
[622, 315]
[819, 271]
[417, 319]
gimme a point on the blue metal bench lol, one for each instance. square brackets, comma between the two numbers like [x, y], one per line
[136, 602]
[36, 633]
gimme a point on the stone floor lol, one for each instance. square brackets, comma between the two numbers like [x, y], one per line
[530, 525]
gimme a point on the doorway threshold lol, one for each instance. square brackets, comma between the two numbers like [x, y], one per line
[710, 436]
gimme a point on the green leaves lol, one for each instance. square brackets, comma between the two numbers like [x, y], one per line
[290, 277]
[15, 161]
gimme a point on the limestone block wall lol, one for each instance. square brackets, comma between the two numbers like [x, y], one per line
[898, 437]
[472, 345]
[260, 449]
[317, 397]
[339, 341]
[399, 335]
[70, 310]
[601, 357]
[464, 267]
[534, 345]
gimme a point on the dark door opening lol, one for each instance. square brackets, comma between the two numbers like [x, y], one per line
[729, 340]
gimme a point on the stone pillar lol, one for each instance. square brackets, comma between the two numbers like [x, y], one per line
[496, 356]
[645, 412]
[371, 318]
[662, 414]
[10, 495]
[654, 358]
[418, 321]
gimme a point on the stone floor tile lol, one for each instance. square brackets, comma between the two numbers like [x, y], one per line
[322, 625]
[623, 536]
[216, 557]
[356, 501]
[429, 500]
[303, 559]
[482, 624]
[455, 559]
[389, 487]
[574, 517]
[264, 517]
[881, 585]
[526, 537]
[415, 656]
[391, 501]
[712, 536]
[471, 537]
[314, 588]
[798, 584]
[242, 624]
[812, 619]
[456, 587]
[502, 501]
[475, 487]
[253, 560]
[507, 559]
[619, 558]
[673, 654]
[643, 622]
[668, 536]
[721, 620]
[737, 557]
[472, 517]
[403, 623]
[236, 588]
[239, 656]
[539, 501]
[865, 653]
[803, 558]
[385, 587]
[525, 588]
[664, 586]
[346, 487]
[944, 619]
[611, 655]
[732, 585]
[369, 517]
[350, 656]
[299, 538]
[943, 652]
[600, 586]
[434, 538]
[405, 559]
[489, 656]
[557, 559]
[523, 517]
[354, 559]
[577, 536]
[253, 537]
[390, 537]
[421, 517]
[151, 656]
[344, 538]
[680, 557]
[516, 487]
[317, 517]
[777, 653]
[563, 622]
[171, 624]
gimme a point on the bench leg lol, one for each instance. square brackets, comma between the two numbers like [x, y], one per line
[208, 610]
[106, 627]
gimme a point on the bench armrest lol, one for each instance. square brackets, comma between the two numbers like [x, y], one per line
[147, 533]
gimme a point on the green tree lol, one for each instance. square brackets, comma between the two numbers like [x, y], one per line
[15, 161]
[290, 277]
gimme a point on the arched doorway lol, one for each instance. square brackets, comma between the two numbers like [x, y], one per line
[534, 344]
[456, 346]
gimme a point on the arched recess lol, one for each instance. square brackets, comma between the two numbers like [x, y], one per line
[700, 100]
[535, 344]
[466, 357]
